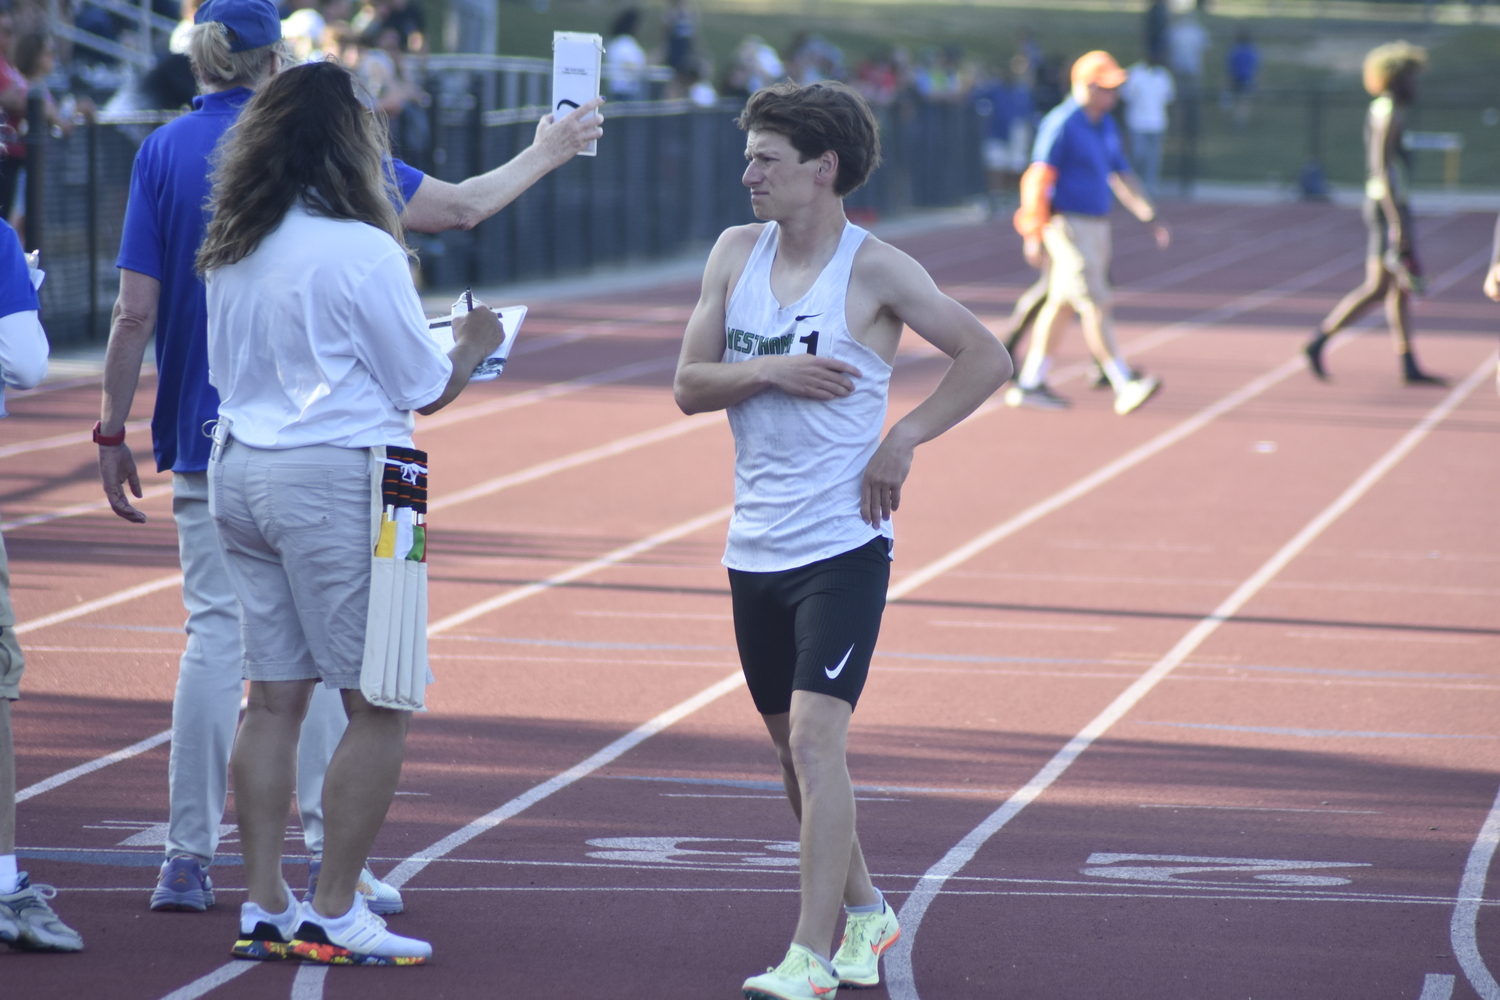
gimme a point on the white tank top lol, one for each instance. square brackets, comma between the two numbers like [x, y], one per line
[799, 463]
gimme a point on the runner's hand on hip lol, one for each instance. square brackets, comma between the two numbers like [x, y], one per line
[810, 376]
[116, 468]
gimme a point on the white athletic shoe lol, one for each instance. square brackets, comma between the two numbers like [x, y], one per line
[1042, 397]
[28, 923]
[800, 976]
[266, 936]
[383, 899]
[866, 938]
[1135, 392]
[362, 940]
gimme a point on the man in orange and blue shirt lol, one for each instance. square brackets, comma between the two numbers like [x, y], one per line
[1077, 164]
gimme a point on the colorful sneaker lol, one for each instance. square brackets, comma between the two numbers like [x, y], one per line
[357, 938]
[28, 923]
[1135, 392]
[866, 938]
[183, 885]
[383, 899]
[1041, 397]
[266, 936]
[800, 976]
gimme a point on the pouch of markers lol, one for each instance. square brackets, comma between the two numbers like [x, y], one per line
[395, 671]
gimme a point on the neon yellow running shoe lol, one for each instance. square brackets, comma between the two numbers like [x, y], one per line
[800, 976]
[866, 938]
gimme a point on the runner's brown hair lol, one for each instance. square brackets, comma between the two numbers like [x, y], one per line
[303, 135]
[817, 118]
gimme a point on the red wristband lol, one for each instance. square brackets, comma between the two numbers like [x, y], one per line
[108, 439]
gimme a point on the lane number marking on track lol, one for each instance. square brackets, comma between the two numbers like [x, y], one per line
[669, 851]
[1171, 868]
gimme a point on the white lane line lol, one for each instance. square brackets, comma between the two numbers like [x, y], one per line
[212, 981]
[902, 984]
[64, 440]
[89, 607]
[79, 509]
[676, 428]
[1464, 929]
[619, 555]
[63, 777]
[308, 985]
[407, 869]
[546, 392]
[1437, 987]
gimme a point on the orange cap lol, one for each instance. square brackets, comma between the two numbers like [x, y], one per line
[1098, 67]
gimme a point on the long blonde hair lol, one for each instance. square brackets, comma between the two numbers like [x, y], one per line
[303, 135]
[1386, 62]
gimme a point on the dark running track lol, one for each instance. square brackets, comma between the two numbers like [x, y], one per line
[1278, 802]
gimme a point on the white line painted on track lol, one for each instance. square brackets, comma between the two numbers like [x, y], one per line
[308, 984]
[89, 607]
[203, 984]
[65, 440]
[553, 391]
[80, 509]
[900, 974]
[1464, 929]
[1437, 987]
[63, 777]
[619, 555]
[676, 428]
[404, 872]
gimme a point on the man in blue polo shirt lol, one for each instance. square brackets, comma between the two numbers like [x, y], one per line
[1078, 167]
[234, 46]
[26, 921]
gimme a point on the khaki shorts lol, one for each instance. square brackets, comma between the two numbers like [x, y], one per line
[1080, 247]
[295, 527]
[12, 663]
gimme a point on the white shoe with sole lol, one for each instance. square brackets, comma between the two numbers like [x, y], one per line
[1135, 392]
[867, 936]
[357, 938]
[800, 976]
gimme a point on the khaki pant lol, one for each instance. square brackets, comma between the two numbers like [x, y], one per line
[12, 663]
[1079, 246]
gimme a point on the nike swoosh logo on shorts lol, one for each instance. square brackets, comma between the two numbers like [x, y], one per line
[833, 672]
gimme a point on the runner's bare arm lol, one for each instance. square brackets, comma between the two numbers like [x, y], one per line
[1127, 188]
[438, 206]
[705, 382]
[888, 287]
[1384, 132]
[130, 329]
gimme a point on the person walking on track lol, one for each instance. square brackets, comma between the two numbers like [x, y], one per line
[235, 47]
[1065, 203]
[320, 352]
[1392, 272]
[26, 919]
[1492, 283]
[795, 334]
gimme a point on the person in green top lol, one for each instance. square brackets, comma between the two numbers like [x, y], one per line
[1392, 272]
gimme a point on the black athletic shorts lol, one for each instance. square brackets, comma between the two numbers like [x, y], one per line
[812, 628]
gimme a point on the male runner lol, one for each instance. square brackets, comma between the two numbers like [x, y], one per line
[235, 47]
[809, 546]
[1065, 203]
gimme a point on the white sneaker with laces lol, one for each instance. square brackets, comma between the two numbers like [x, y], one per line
[800, 976]
[358, 937]
[867, 936]
[28, 923]
[383, 899]
[1135, 392]
[266, 936]
[1042, 397]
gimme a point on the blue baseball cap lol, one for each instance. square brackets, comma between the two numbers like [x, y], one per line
[255, 23]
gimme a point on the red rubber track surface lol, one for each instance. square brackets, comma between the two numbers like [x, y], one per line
[1340, 728]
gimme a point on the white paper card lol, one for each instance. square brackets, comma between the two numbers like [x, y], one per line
[576, 59]
[491, 367]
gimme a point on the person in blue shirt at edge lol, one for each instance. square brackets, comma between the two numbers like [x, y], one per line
[1065, 203]
[235, 46]
[27, 921]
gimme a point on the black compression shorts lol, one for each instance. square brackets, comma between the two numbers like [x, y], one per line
[812, 628]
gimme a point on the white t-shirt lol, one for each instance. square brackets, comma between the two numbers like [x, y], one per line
[318, 337]
[1188, 39]
[1147, 92]
[625, 67]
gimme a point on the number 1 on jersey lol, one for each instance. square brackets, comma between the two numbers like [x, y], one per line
[811, 340]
